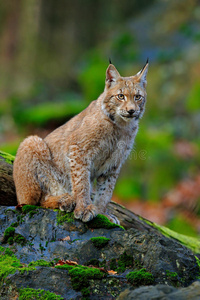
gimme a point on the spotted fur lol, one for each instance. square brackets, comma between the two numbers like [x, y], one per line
[76, 166]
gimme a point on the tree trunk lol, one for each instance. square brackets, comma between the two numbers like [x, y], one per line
[7, 187]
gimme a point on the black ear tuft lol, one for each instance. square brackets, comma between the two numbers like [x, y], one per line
[110, 60]
[145, 65]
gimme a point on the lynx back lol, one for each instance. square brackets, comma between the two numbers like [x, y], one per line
[75, 167]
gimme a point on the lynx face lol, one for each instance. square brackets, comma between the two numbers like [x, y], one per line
[125, 97]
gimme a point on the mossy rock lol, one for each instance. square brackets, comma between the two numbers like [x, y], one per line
[140, 277]
[100, 242]
[81, 275]
[8, 158]
[125, 261]
[11, 237]
[101, 221]
[37, 294]
[63, 217]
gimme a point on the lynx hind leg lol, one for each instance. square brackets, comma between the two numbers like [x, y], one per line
[63, 202]
[26, 163]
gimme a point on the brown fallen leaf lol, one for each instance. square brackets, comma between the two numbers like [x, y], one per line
[67, 238]
[111, 272]
[66, 262]
[71, 262]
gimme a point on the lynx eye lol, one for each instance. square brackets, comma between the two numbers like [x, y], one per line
[120, 97]
[137, 97]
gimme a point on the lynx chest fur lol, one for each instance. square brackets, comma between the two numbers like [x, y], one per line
[77, 165]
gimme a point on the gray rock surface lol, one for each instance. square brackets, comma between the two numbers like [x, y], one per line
[162, 292]
[170, 263]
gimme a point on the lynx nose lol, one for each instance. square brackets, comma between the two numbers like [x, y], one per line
[131, 111]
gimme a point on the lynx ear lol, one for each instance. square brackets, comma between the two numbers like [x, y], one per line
[142, 74]
[111, 75]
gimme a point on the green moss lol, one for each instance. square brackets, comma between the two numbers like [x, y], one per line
[141, 277]
[9, 263]
[80, 276]
[41, 247]
[63, 217]
[198, 263]
[2, 249]
[99, 242]
[113, 264]
[10, 240]
[14, 224]
[93, 262]
[125, 261]
[8, 233]
[172, 275]
[40, 262]
[188, 241]
[102, 221]
[103, 264]
[7, 157]
[65, 267]
[11, 237]
[85, 292]
[20, 239]
[20, 219]
[33, 294]
[30, 209]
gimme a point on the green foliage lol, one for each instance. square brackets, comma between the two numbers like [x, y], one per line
[141, 277]
[92, 86]
[124, 48]
[10, 147]
[190, 242]
[7, 157]
[99, 242]
[42, 113]
[39, 294]
[101, 221]
[193, 103]
[180, 225]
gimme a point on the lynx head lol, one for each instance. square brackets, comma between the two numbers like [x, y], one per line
[124, 97]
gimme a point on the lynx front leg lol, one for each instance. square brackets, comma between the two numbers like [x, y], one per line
[80, 182]
[105, 187]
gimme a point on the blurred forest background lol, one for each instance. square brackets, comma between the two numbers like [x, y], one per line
[53, 58]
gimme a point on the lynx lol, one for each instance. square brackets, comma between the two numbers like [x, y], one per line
[75, 167]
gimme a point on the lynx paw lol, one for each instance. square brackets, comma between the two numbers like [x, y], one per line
[67, 204]
[85, 214]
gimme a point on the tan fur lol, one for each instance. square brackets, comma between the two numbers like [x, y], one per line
[60, 170]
